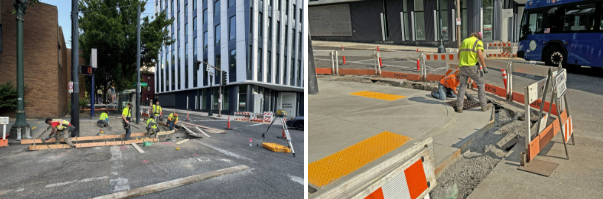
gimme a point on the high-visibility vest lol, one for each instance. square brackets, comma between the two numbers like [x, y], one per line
[172, 117]
[156, 109]
[468, 51]
[103, 116]
[151, 122]
[62, 127]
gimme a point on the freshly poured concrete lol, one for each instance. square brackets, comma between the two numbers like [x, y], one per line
[338, 120]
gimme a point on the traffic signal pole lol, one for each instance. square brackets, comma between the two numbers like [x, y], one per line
[211, 82]
[138, 65]
[75, 100]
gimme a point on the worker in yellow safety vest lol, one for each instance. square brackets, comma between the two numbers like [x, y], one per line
[172, 120]
[126, 114]
[470, 54]
[156, 110]
[152, 126]
[60, 127]
[103, 120]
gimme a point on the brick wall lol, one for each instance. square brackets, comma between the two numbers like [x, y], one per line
[41, 67]
[150, 80]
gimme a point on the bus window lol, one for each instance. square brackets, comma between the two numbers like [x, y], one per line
[553, 20]
[579, 18]
[535, 23]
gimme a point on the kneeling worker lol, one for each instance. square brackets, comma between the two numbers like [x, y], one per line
[60, 127]
[447, 87]
[152, 127]
[172, 120]
[103, 120]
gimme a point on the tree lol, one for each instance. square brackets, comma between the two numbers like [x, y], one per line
[110, 27]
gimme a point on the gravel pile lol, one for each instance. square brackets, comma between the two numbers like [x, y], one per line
[462, 177]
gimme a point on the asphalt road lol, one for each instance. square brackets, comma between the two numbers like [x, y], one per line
[91, 172]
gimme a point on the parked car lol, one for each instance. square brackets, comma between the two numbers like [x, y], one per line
[296, 122]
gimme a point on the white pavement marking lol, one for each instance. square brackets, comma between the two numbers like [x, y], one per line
[255, 124]
[118, 184]
[79, 181]
[224, 151]
[296, 179]
[19, 189]
[10, 190]
[208, 120]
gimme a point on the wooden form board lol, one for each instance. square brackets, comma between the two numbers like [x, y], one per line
[86, 145]
[174, 183]
[137, 148]
[85, 138]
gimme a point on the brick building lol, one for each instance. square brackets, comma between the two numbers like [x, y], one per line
[47, 60]
[148, 93]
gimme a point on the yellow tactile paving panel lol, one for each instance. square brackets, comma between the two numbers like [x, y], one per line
[348, 160]
[376, 95]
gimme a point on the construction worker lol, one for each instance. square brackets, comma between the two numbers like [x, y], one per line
[172, 120]
[126, 114]
[152, 126]
[447, 87]
[470, 53]
[60, 127]
[157, 110]
[103, 120]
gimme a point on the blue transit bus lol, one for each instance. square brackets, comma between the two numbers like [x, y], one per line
[566, 31]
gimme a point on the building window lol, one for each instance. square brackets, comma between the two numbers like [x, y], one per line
[488, 11]
[269, 63]
[445, 28]
[278, 32]
[195, 68]
[218, 65]
[301, 15]
[205, 41]
[285, 69]
[287, 7]
[260, 63]
[270, 28]
[205, 16]
[406, 20]
[205, 72]
[194, 4]
[250, 19]
[232, 69]
[294, 9]
[195, 23]
[233, 28]
[260, 25]
[278, 5]
[419, 20]
[299, 69]
[231, 3]
[278, 69]
[286, 36]
[186, 11]
[248, 57]
[172, 7]
[301, 45]
[292, 71]
[242, 98]
[293, 41]
[217, 34]
[186, 30]
[186, 65]
[217, 8]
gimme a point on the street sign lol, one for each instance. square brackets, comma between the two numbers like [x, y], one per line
[207, 69]
[560, 80]
[3, 120]
[70, 87]
[458, 21]
[93, 60]
[141, 84]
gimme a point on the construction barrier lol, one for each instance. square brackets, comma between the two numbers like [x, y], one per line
[555, 81]
[408, 174]
[501, 49]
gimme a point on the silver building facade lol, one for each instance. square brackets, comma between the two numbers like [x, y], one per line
[257, 42]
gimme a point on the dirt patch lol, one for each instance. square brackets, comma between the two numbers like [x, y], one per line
[481, 156]
[467, 104]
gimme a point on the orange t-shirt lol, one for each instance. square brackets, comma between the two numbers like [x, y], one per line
[451, 81]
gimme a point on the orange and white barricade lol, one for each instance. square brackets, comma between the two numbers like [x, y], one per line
[242, 116]
[500, 46]
[409, 174]
[450, 58]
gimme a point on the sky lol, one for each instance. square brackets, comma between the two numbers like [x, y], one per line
[64, 8]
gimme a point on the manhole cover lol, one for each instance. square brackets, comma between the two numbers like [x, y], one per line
[97, 157]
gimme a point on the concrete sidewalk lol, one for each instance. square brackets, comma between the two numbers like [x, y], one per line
[579, 177]
[339, 120]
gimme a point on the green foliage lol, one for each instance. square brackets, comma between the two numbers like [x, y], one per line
[31, 3]
[83, 103]
[8, 95]
[112, 31]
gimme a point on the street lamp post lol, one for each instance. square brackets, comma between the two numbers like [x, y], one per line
[20, 6]
[441, 48]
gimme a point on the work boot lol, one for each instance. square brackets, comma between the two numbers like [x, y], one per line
[459, 110]
[487, 107]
